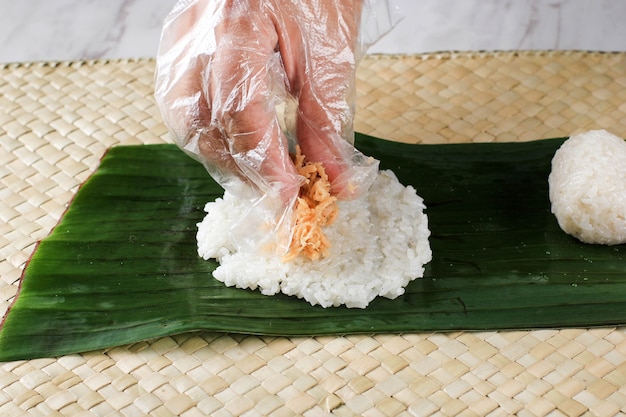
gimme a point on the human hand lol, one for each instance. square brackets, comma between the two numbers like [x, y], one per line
[225, 65]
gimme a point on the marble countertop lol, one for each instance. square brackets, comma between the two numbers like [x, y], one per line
[34, 30]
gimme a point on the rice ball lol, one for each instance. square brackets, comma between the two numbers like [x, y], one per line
[587, 186]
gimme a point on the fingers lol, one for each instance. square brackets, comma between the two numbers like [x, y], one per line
[242, 88]
[325, 135]
[178, 85]
[322, 130]
[219, 77]
[216, 88]
[324, 83]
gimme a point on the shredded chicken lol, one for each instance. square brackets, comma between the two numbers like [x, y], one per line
[315, 207]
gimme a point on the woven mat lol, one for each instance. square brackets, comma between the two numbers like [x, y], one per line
[56, 121]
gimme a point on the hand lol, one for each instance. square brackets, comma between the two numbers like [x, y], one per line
[223, 67]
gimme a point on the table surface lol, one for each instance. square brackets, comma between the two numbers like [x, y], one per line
[58, 118]
[34, 30]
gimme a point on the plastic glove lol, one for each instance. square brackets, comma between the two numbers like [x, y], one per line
[224, 68]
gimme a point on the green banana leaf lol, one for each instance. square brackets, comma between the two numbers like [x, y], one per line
[121, 266]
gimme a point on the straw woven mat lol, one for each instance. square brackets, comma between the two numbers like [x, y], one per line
[57, 119]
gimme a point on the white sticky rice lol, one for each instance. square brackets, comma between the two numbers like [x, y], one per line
[379, 243]
[588, 187]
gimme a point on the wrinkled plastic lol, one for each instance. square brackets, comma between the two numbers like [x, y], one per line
[240, 82]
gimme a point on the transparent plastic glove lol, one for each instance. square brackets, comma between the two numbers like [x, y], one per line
[225, 68]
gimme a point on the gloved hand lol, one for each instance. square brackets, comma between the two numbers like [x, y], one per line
[225, 66]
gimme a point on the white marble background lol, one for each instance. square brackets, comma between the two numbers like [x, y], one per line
[33, 30]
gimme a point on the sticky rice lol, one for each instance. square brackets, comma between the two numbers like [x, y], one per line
[379, 243]
[588, 187]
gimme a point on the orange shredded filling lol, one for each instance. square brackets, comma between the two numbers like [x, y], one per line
[315, 207]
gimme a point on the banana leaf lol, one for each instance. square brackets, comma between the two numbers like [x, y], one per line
[121, 266]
